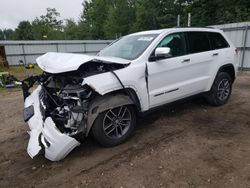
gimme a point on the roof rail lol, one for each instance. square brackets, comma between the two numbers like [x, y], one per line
[210, 27]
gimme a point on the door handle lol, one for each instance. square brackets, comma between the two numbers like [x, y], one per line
[215, 54]
[185, 60]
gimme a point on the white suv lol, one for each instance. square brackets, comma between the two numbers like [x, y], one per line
[79, 94]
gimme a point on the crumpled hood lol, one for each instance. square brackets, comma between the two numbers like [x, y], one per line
[53, 62]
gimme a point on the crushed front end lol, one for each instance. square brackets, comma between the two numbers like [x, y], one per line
[56, 112]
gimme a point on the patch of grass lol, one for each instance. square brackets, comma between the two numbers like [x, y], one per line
[20, 72]
[10, 89]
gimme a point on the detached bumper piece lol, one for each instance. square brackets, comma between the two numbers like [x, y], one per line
[28, 113]
[44, 134]
[57, 145]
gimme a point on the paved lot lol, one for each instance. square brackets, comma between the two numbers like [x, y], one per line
[187, 144]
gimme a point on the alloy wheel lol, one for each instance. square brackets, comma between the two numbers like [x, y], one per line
[223, 90]
[116, 122]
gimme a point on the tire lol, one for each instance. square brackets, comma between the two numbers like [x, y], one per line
[114, 126]
[220, 90]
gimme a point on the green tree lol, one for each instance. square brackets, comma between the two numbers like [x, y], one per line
[170, 9]
[203, 12]
[214, 12]
[51, 19]
[48, 27]
[24, 31]
[84, 24]
[155, 14]
[8, 34]
[147, 13]
[40, 29]
[121, 16]
[109, 19]
[1, 34]
[230, 11]
[71, 30]
[92, 19]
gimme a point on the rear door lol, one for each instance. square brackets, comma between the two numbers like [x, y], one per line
[204, 58]
[185, 73]
[221, 52]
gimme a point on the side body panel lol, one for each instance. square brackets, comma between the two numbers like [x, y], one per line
[179, 77]
[169, 79]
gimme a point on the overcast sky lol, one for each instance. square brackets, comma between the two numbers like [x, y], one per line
[14, 11]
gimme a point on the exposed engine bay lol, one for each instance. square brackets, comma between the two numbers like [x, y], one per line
[64, 98]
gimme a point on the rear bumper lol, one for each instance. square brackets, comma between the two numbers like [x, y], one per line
[44, 135]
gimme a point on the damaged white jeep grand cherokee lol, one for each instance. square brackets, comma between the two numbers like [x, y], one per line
[82, 94]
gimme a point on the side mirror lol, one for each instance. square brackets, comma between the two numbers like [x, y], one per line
[162, 52]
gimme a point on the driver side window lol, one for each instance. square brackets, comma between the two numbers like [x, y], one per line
[176, 42]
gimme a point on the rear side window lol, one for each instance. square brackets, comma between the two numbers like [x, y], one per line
[198, 42]
[217, 41]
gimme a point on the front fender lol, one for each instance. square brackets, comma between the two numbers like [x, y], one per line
[131, 77]
[102, 103]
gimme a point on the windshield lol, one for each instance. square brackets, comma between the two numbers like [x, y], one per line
[129, 47]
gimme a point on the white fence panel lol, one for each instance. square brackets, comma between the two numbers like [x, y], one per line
[28, 51]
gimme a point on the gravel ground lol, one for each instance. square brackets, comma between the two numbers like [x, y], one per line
[186, 144]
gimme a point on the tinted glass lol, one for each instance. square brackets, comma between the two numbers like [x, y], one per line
[217, 41]
[198, 42]
[129, 47]
[176, 42]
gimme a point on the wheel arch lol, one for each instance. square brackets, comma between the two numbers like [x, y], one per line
[229, 69]
[113, 99]
[131, 93]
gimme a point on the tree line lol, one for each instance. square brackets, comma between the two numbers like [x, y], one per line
[110, 19]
